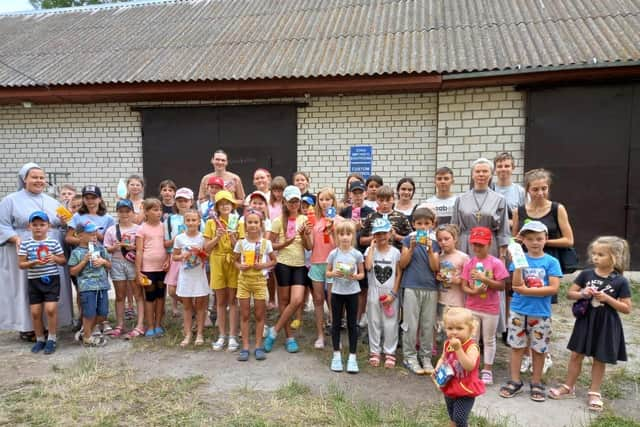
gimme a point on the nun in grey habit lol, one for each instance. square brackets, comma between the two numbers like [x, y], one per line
[15, 209]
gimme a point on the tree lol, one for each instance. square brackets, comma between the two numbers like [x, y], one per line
[53, 4]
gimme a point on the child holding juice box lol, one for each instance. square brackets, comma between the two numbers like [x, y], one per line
[220, 233]
[254, 256]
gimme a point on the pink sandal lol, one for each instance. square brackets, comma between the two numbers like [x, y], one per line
[134, 333]
[116, 332]
[389, 361]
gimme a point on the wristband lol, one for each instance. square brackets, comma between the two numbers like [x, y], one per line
[395, 295]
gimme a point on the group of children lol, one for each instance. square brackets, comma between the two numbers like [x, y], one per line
[361, 257]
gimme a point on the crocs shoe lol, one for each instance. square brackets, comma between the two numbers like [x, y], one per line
[38, 347]
[219, 344]
[150, 333]
[159, 331]
[233, 344]
[260, 354]
[270, 339]
[336, 363]
[243, 356]
[295, 324]
[352, 365]
[292, 345]
[50, 347]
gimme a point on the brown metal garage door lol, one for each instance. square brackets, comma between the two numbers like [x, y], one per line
[589, 137]
[178, 142]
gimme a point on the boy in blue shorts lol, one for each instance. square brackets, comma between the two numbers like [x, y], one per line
[40, 256]
[89, 262]
[530, 319]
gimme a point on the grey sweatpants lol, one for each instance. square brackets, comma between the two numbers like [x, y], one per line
[419, 312]
[380, 325]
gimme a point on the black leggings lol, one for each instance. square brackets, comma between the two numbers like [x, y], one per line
[338, 303]
[459, 409]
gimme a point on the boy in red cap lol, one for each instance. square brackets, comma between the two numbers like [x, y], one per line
[482, 277]
[214, 184]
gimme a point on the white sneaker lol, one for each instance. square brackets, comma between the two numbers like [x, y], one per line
[265, 331]
[78, 335]
[233, 344]
[548, 363]
[363, 322]
[319, 344]
[525, 364]
[219, 344]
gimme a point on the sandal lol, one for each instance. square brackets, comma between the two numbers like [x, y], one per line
[199, 341]
[134, 333]
[374, 360]
[536, 392]
[486, 377]
[561, 392]
[185, 342]
[115, 332]
[389, 361]
[511, 389]
[595, 401]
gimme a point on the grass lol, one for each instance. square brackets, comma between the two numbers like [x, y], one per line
[608, 419]
[92, 394]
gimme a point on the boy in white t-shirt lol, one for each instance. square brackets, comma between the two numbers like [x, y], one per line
[442, 203]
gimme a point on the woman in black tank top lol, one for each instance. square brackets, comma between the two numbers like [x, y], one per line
[540, 208]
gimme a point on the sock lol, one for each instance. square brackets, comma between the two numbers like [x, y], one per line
[52, 338]
[337, 354]
[352, 356]
[40, 339]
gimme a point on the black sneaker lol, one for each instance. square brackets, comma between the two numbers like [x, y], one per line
[76, 324]
[50, 347]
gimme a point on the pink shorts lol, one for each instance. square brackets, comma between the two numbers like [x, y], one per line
[171, 278]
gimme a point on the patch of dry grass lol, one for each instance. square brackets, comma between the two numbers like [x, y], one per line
[93, 394]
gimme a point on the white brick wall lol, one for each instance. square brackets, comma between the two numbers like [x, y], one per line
[481, 122]
[400, 128]
[410, 135]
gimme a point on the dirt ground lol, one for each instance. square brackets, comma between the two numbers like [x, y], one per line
[223, 377]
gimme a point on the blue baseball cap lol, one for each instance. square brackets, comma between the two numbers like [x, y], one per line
[308, 200]
[381, 225]
[38, 215]
[87, 227]
[124, 203]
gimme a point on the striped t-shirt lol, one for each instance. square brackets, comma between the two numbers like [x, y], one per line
[30, 248]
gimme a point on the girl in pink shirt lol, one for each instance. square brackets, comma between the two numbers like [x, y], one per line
[323, 243]
[152, 261]
[482, 278]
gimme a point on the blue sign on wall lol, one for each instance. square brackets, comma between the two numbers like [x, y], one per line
[361, 160]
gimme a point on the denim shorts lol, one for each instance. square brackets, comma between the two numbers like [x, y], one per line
[94, 303]
[122, 270]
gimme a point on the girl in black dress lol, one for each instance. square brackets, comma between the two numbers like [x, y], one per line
[598, 334]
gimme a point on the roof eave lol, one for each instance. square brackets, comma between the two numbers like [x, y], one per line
[317, 86]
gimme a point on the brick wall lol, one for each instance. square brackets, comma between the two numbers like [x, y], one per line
[400, 128]
[480, 122]
[410, 135]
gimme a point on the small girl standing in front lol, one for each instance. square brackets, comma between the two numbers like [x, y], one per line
[482, 278]
[598, 334]
[173, 226]
[220, 240]
[345, 265]
[323, 244]
[152, 261]
[193, 287]
[462, 355]
[254, 256]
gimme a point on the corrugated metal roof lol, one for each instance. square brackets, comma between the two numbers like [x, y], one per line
[255, 39]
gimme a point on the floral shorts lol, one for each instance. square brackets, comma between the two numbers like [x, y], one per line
[529, 330]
